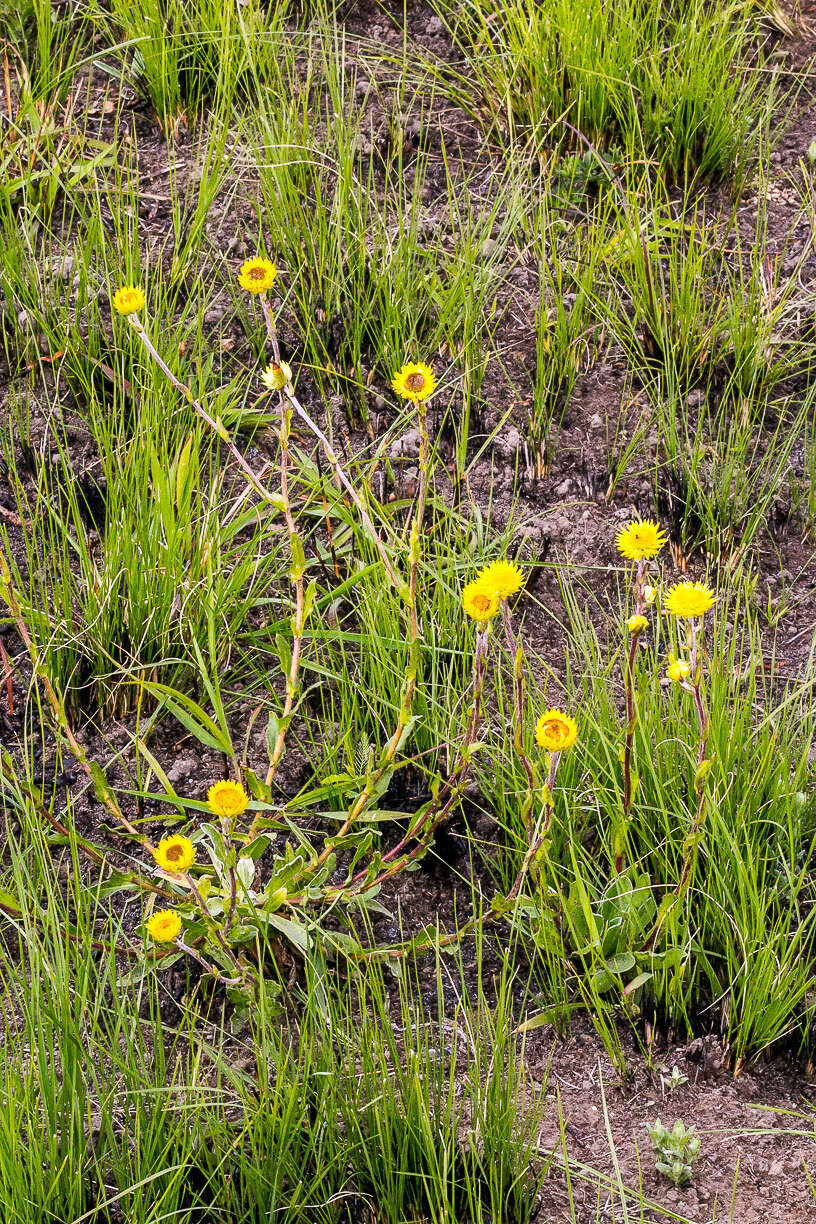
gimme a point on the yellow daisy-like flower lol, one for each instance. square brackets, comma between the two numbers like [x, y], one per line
[175, 853]
[689, 599]
[678, 670]
[503, 577]
[636, 624]
[556, 731]
[479, 601]
[227, 799]
[414, 382]
[640, 540]
[257, 275]
[128, 300]
[275, 377]
[164, 926]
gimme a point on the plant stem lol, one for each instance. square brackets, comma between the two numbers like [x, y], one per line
[218, 428]
[429, 819]
[328, 450]
[519, 706]
[535, 846]
[296, 578]
[640, 604]
[684, 878]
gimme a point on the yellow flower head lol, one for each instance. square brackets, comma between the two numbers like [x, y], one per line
[636, 624]
[414, 382]
[227, 799]
[503, 577]
[640, 540]
[479, 601]
[275, 377]
[257, 275]
[128, 300]
[650, 594]
[689, 599]
[175, 853]
[164, 926]
[556, 731]
[677, 670]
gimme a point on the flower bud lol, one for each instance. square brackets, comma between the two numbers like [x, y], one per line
[275, 377]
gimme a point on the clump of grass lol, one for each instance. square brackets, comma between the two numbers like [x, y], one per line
[679, 86]
[674, 909]
[184, 56]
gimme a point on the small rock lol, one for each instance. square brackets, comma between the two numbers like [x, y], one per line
[596, 421]
[408, 444]
[182, 767]
[563, 489]
[434, 26]
[63, 268]
[488, 247]
[215, 314]
[512, 439]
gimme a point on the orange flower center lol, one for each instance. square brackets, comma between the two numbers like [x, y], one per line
[555, 729]
[174, 853]
[415, 381]
[256, 273]
[481, 602]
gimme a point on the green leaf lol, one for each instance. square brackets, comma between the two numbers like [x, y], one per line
[293, 931]
[191, 715]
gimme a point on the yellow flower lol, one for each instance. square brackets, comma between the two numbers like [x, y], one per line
[275, 377]
[164, 926]
[640, 540]
[479, 601]
[650, 594]
[503, 577]
[175, 853]
[678, 670]
[556, 731]
[414, 382]
[128, 300]
[689, 599]
[228, 799]
[636, 624]
[257, 275]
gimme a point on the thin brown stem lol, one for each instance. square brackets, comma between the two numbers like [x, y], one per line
[430, 818]
[91, 770]
[332, 458]
[535, 845]
[201, 412]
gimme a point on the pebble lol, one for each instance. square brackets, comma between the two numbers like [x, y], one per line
[408, 444]
[63, 268]
[488, 247]
[596, 421]
[215, 314]
[182, 767]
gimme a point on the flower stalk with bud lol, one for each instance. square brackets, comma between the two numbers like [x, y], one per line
[640, 541]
